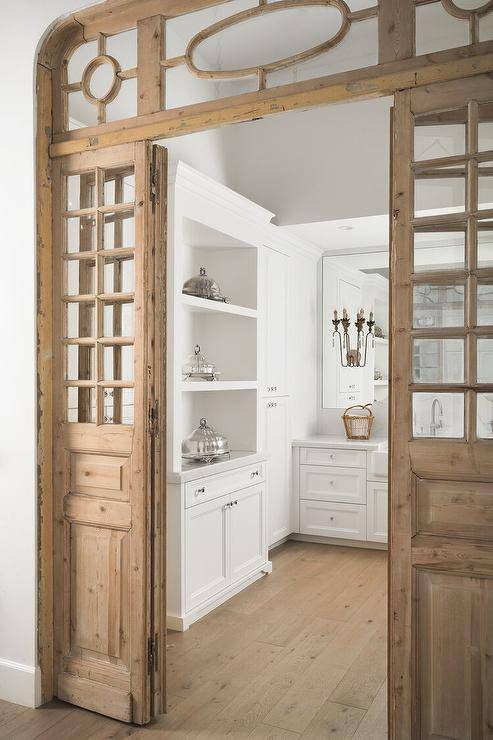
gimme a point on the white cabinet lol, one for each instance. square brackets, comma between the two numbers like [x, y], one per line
[217, 539]
[341, 489]
[277, 449]
[207, 532]
[276, 312]
[377, 512]
[248, 531]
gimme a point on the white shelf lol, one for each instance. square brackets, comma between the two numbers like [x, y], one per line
[203, 305]
[380, 382]
[188, 386]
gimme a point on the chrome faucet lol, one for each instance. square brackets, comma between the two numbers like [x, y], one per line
[436, 419]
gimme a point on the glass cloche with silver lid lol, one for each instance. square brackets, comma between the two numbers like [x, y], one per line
[203, 286]
[197, 367]
[204, 444]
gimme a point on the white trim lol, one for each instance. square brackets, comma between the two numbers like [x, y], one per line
[20, 683]
[339, 542]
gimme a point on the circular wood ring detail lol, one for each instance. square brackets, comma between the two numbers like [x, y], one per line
[465, 13]
[93, 65]
[260, 10]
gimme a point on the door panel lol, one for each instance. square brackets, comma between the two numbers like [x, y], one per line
[276, 446]
[108, 469]
[247, 518]
[441, 457]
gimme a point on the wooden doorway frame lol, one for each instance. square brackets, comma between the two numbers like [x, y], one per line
[398, 69]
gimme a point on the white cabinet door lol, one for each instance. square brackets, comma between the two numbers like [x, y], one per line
[207, 548]
[377, 512]
[276, 447]
[248, 543]
[275, 289]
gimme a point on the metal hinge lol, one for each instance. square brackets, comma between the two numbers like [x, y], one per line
[152, 653]
[154, 419]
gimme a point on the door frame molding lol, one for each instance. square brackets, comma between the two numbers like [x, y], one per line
[398, 70]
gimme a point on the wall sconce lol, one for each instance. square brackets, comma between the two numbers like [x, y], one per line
[352, 357]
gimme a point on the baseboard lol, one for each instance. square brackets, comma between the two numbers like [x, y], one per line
[19, 683]
[339, 541]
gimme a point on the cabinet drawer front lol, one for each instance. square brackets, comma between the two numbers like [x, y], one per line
[322, 519]
[345, 485]
[205, 489]
[347, 399]
[333, 457]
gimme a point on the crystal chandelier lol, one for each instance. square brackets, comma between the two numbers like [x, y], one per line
[350, 357]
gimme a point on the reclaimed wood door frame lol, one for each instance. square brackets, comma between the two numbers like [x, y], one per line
[441, 553]
[108, 375]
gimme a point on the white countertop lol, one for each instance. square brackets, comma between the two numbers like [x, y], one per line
[194, 471]
[341, 443]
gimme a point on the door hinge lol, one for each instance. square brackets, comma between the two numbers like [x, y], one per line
[152, 653]
[154, 419]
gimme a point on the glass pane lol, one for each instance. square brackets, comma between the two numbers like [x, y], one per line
[80, 191]
[123, 46]
[119, 275]
[80, 277]
[485, 360]
[439, 140]
[440, 191]
[438, 415]
[118, 406]
[438, 361]
[485, 185]
[119, 186]
[485, 243]
[439, 250]
[119, 230]
[81, 112]
[80, 320]
[81, 405]
[484, 415]
[118, 363]
[125, 103]
[485, 304]
[438, 306]
[80, 234]
[80, 362]
[118, 319]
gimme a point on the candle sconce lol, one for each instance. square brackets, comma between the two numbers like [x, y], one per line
[350, 357]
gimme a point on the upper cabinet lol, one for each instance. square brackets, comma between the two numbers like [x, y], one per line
[274, 380]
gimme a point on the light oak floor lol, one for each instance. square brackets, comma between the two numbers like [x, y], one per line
[299, 654]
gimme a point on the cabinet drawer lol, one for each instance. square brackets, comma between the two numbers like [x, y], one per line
[348, 399]
[345, 485]
[333, 457]
[322, 519]
[205, 489]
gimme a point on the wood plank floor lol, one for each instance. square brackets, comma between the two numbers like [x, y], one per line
[299, 654]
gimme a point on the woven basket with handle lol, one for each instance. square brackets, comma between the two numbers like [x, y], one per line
[358, 426]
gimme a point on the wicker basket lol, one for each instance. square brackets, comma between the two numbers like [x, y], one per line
[358, 426]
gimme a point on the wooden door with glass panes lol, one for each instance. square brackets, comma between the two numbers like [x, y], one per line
[108, 262]
[441, 500]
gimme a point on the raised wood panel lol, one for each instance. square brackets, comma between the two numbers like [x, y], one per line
[450, 459]
[111, 514]
[455, 641]
[110, 701]
[99, 600]
[100, 475]
[455, 508]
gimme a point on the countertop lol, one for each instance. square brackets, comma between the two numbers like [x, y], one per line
[194, 471]
[341, 443]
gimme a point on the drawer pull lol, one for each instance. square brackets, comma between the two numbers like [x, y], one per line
[331, 482]
[199, 491]
[254, 473]
[332, 518]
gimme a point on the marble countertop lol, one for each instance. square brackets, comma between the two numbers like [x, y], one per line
[340, 442]
[194, 471]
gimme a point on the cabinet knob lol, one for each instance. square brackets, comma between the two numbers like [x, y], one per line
[199, 491]
[331, 456]
[331, 518]
[331, 482]
[255, 472]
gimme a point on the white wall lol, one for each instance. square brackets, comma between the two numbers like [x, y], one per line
[315, 165]
[23, 23]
